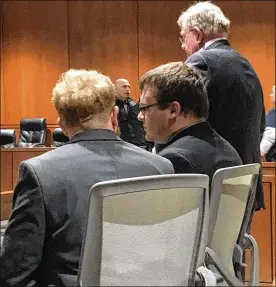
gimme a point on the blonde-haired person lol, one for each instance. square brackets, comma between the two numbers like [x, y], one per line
[234, 90]
[43, 238]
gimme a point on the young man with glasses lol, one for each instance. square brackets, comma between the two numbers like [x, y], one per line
[174, 108]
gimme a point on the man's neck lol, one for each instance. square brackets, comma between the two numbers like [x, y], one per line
[213, 38]
[75, 130]
[179, 125]
[185, 123]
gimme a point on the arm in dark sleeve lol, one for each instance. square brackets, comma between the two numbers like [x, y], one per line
[137, 126]
[180, 163]
[23, 241]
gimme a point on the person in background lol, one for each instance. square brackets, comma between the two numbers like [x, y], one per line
[42, 242]
[130, 129]
[235, 94]
[174, 108]
[268, 145]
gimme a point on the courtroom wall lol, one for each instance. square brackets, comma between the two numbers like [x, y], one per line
[42, 39]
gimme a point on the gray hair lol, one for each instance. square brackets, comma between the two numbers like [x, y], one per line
[205, 16]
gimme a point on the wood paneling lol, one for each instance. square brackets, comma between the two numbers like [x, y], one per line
[6, 204]
[263, 228]
[262, 232]
[35, 52]
[252, 34]
[103, 36]
[158, 33]
[6, 171]
[1, 63]
[10, 160]
[20, 154]
[119, 38]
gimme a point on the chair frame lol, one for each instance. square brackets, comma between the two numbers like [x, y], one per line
[216, 191]
[131, 185]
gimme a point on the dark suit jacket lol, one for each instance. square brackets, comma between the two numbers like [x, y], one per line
[44, 234]
[236, 100]
[131, 129]
[199, 149]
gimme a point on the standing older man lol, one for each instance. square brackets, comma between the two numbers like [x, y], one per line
[174, 107]
[44, 234]
[234, 90]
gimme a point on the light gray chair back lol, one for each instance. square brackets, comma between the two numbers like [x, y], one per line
[230, 192]
[145, 231]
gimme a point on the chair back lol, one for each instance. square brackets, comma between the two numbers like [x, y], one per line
[59, 138]
[7, 138]
[32, 132]
[232, 189]
[145, 231]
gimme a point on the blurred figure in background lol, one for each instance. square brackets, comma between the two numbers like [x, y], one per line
[131, 129]
[268, 145]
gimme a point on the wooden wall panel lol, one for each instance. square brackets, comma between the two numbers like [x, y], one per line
[119, 38]
[159, 33]
[6, 172]
[1, 64]
[262, 232]
[103, 36]
[252, 34]
[34, 54]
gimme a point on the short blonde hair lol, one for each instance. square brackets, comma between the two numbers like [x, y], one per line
[205, 16]
[84, 97]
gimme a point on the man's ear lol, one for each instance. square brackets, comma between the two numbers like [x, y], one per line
[60, 122]
[199, 35]
[175, 109]
[114, 118]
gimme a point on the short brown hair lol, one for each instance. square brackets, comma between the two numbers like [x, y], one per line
[176, 81]
[84, 97]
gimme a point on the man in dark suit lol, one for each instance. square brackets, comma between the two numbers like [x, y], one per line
[174, 107]
[43, 238]
[131, 130]
[234, 90]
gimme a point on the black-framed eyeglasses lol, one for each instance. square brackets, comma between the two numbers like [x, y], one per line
[144, 108]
